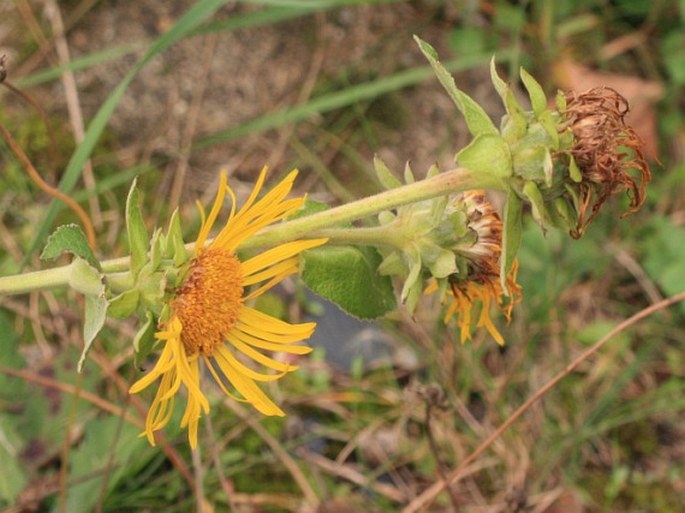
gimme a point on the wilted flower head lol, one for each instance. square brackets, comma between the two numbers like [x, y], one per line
[478, 285]
[606, 150]
[484, 253]
[563, 162]
[208, 318]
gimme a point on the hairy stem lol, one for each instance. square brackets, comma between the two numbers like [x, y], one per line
[316, 225]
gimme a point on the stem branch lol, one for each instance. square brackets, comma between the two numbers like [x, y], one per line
[315, 225]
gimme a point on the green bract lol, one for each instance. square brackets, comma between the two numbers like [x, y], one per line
[85, 276]
[155, 266]
[530, 154]
[422, 240]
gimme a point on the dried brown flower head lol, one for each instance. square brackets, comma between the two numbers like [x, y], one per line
[484, 220]
[607, 151]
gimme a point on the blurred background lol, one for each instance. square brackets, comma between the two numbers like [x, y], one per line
[380, 411]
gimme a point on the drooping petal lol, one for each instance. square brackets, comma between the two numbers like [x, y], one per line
[269, 345]
[248, 389]
[209, 321]
[208, 223]
[282, 368]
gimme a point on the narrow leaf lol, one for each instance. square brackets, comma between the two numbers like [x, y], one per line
[511, 235]
[537, 204]
[476, 118]
[95, 315]
[144, 340]
[137, 233]
[538, 100]
[89, 281]
[385, 176]
[500, 85]
[125, 304]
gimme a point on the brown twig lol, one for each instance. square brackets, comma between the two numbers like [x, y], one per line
[66, 388]
[422, 501]
[55, 193]
[73, 104]
[52, 144]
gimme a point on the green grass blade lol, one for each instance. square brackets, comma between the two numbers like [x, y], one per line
[344, 98]
[189, 21]
[78, 64]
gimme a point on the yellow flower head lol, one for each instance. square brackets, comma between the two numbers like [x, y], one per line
[210, 321]
[481, 286]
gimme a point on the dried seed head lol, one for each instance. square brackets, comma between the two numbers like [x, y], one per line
[607, 151]
[484, 220]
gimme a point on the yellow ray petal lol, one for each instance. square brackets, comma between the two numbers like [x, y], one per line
[265, 326]
[225, 354]
[260, 357]
[282, 347]
[278, 270]
[216, 208]
[278, 254]
[249, 390]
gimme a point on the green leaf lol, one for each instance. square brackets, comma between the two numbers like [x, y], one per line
[12, 478]
[85, 278]
[88, 280]
[174, 246]
[144, 340]
[548, 122]
[138, 239]
[515, 124]
[566, 213]
[156, 250]
[511, 234]
[95, 315]
[538, 100]
[125, 304]
[442, 262]
[487, 154]
[348, 277]
[385, 176]
[500, 85]
[69, 238]
[548, 168]
[414, 276]
[574, 170]
[409, 177]
[537, 204]
[476, 118]
[310, 207]
[413, 295]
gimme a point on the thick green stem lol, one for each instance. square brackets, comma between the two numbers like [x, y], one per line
[366, 236]
[455, 180]
[23, 283]
[313, 226]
